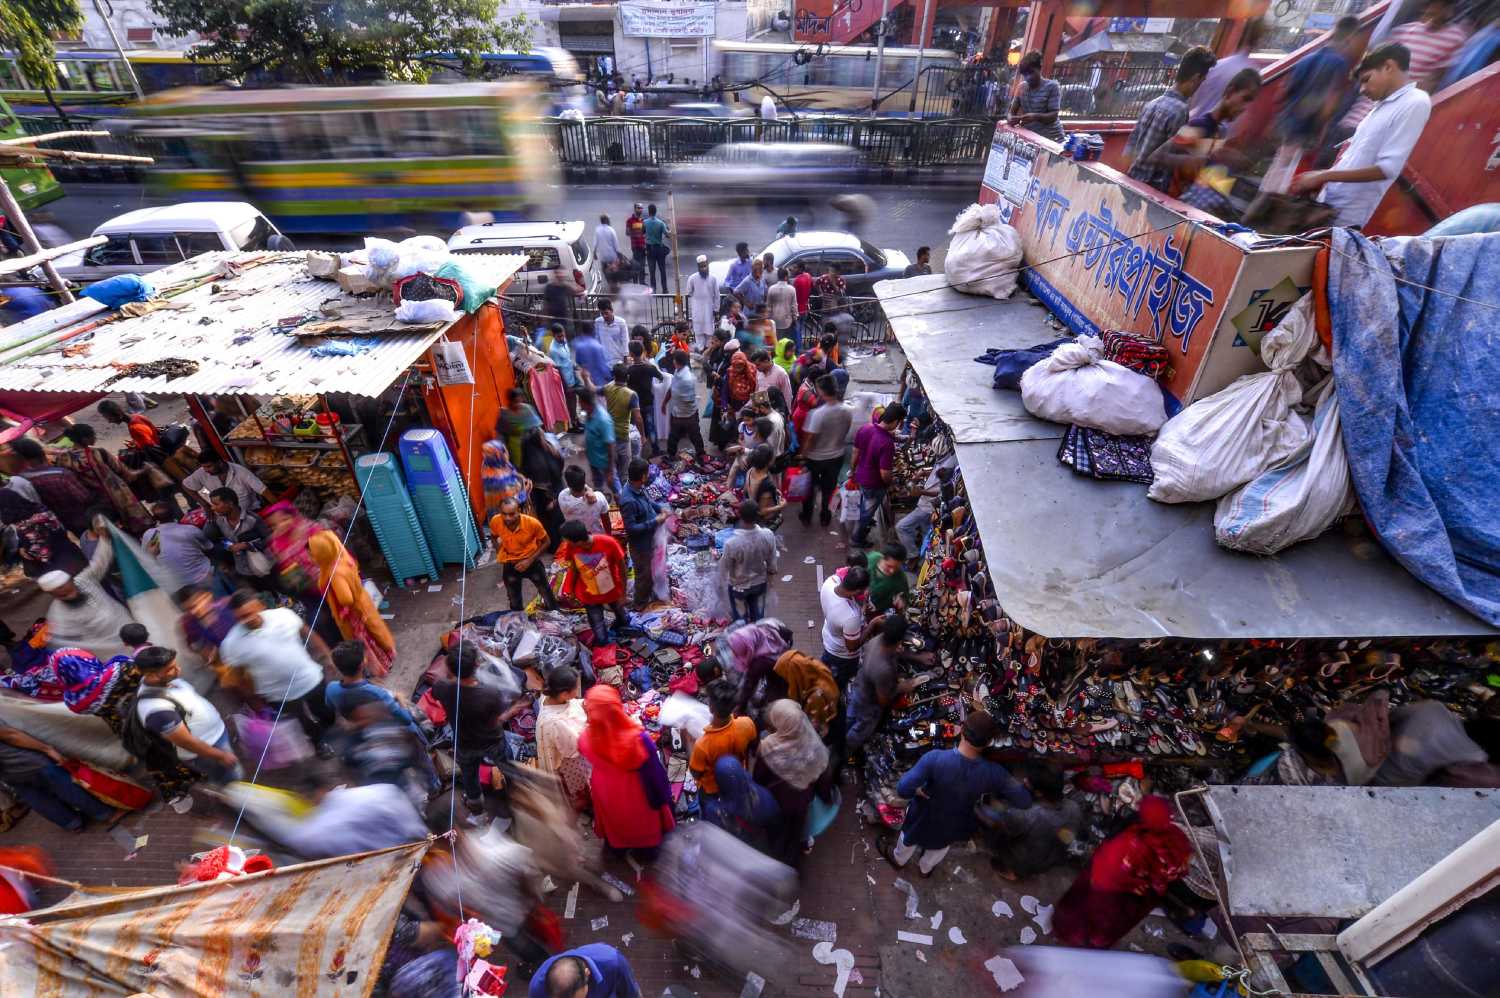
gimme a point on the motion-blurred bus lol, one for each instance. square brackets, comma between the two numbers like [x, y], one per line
[87, 78]
[33, 186]
[553, 68]
[841, 78]
[349, 159]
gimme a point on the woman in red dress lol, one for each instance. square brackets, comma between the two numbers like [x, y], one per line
[1127, 877]
[632, 798]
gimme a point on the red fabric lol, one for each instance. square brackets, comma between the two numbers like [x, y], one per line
[802, 284]
[610, 735]
[114, 790]
[15, 892]
[551, 402]
[1145, 858]
[1322, 316]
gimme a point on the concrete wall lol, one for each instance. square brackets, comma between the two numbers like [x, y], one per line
[127, 14]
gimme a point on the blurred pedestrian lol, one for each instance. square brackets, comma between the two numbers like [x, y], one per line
[290, 532]
[642, 516]
[542, 463]
[607, 245]
[169, 708]
[631, 795]
[1026, 842]
[559, 293]
[59, 490]
[642, 376]
[1227, 68]
[635, 231]
[682, 407]
[104, 476]
[1162, 118]
[560, 720]
[1128, 875]
[1311, 97]
[518, 418]
[275, 655]
[595, 576]
[347, 601]
[477, 714]
[42, 542]
[793, 764]
[82, 614]
[521, 549]
[624, 408]
[599, 440]
[943, 788]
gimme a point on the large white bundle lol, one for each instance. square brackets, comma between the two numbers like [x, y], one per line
[984, 255]
[1076, 385]
[1223, 441]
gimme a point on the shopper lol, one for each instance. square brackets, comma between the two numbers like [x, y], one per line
[761, 488]
[1128, 875]
[643, 516]
[580, 503]
[1161, 119]
[594, 970]
[1026, 842]
[725, 735]
[59, 490]
[518, 418]
[1375, 156]
[635, 231]
[824, 444]
[888, 582]
[34, 770]
[241, 538]
[923, 264]
[477, 715]
[216, 473]
[599, 440]
[567, 371]
[543, 464]
[657, 249]
[703, 303]
[682, 407]
[169, 708]
[781, 306]
[275, 655]
[612, 332]
[82, 614]
[873, 465]
[769, 376]
[739, 267]
[349, 659]
[628, 784]
[86, 685]
[345, 599]
[292, 562]
[596, 576]
[521, 550]
[607, 245]
[642, 376]
[809, 683]
[104, 475]
[747, 564]
[943, 788]
[878, 683]
[792, 763]
[592, 364]
[844, 631]
[560, 721]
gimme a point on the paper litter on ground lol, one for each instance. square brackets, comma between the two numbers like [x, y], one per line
[627, 938]
[570, 907]
[937, 921]
[810, 560]
[956, 935]
[1000, 908]
[696, 972]
[786, 578]
[1043, 918]
[548, 886]
[754, 985]
[921, 956]
[1028, 936]
[1028, 904]
[911, 897]
[617, 884]
[1154, 931]
[1007, 977]
[789, 914]
[920, 938]
[842, 960]
[600, 923]
[437, 588]
[816, 930]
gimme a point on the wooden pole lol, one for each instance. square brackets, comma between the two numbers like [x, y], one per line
[29, 240]
[676, 268]
[19, 263]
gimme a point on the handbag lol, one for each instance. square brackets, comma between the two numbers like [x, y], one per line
[111, 788]
[820, 815]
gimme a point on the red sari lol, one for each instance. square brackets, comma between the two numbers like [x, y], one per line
[632, 802]
[1127, 877]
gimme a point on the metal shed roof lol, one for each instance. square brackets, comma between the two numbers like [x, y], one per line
[1072, 557]
[229, 328]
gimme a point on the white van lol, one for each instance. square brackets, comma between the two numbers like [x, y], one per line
[148, 239]
[546, 245]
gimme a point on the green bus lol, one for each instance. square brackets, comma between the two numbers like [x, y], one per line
[33, 186]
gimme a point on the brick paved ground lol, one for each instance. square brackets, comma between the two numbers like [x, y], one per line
[845, 881]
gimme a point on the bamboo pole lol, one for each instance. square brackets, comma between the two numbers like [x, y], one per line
[29, 240]
[26, 140]
[16, 264]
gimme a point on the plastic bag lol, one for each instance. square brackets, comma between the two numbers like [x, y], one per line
[1296, 500]
[1077, 385]
[476, 291]
[419, 255]
[661, 578]
[427, 310]
[497, 674]
[984, 255]
[383, 255]
[798, 485]
[1223, 441]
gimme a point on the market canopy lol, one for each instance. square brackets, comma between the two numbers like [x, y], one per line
[240, 328]
[1075, 557]
[313, 929]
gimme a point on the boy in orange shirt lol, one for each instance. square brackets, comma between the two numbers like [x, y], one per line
[520, 543]
[727, 735]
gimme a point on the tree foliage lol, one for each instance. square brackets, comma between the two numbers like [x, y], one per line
[342, 41]
[27, 27]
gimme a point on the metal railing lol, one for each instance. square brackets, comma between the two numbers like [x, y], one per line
[887, 143]
[1111, 92]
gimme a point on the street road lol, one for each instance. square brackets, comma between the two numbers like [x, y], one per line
[905, 217]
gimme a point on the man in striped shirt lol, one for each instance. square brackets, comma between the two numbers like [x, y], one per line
[1039, 101]
[1431, 41]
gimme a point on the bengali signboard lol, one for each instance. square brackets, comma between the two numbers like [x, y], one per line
[667, 20]
[1103, 254]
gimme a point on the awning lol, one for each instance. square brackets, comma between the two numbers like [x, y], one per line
[229, 328]
[1074, 557]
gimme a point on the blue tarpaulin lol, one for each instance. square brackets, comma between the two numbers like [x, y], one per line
[1417, 367]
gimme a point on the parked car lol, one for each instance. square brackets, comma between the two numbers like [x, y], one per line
[715, 191]
[148, 239]
[546, 246]
[858, 262]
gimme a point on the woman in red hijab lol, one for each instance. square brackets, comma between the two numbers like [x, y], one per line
[1127, 877]
[632, 798]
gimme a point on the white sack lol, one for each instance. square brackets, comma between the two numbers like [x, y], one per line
[419, 255]
[1296, 500]
[1221, 442]
[383, 255]
[984, 255]
[1075, 385]
[428, 310]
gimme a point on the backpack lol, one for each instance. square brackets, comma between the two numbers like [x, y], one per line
[139, 740]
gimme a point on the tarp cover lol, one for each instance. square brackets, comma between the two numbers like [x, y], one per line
[1417, 365]
[315, 929]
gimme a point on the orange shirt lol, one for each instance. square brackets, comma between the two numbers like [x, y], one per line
[142, 431]
[734, 738]
[527, 539]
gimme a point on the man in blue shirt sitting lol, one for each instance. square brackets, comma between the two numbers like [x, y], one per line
[595, 970]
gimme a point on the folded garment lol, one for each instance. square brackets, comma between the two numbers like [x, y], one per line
[1009, 365]
[1141, 354]
[1106, 456]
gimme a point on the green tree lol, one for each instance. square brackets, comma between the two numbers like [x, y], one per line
[27, 27]
[341, 41]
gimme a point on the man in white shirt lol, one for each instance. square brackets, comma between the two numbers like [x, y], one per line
[703, 299]
[169, 708]
[612, 333]
[276, 651]
[581, 503]
[844, 631]
[217, 473]
[606, 243]
[1378, 150]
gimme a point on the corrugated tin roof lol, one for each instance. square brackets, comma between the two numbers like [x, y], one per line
[233, 339]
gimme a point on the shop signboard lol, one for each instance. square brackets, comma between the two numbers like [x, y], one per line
[1104, 252]
[667, 20]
